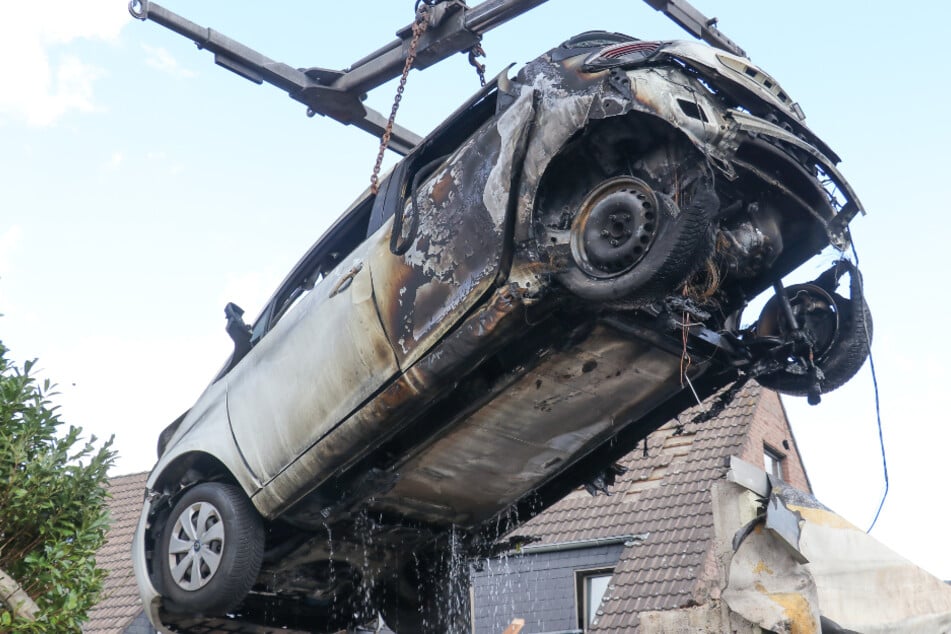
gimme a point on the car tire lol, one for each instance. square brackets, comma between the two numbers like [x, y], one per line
[210, 552]
[681, 242]
[626, 215]
[841, 362]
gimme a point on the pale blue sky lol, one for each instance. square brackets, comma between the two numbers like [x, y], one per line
[142, 187]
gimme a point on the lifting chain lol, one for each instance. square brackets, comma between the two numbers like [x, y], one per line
[474, 52]
[419, 27]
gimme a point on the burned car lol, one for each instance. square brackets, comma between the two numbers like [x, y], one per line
[555, 271]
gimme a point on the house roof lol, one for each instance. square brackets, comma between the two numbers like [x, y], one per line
[120, 603]
[664, 499]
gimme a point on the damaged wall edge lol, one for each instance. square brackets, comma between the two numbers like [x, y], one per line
[786, 563]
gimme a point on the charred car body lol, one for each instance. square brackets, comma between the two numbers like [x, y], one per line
[551, 274]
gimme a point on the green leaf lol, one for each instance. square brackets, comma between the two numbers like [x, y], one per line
[52, 492]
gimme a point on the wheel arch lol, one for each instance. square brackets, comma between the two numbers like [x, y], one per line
[231, 535]
[641, 147]
[205, 451]
[190, 468]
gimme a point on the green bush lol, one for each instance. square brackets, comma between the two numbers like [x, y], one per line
[53, 516]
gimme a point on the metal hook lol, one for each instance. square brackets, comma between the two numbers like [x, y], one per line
[139, 9]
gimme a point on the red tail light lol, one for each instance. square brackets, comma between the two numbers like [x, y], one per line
[622, 54]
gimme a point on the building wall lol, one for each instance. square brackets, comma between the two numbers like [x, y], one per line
[539, 588]
[770, 427]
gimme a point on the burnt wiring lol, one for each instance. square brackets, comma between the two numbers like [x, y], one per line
[878, 408]
[684, 355]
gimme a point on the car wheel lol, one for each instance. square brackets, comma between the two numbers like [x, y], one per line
[629, 241]
[210, 552]
[625, 214]
[843, 331]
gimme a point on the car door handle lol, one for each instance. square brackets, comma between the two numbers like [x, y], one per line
[344, 282]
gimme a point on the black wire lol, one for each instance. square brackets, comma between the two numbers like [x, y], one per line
[881, 441]
[878, 409]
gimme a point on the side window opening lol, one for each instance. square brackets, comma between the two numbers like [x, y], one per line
[346, 234]
[307, 284]
[462, 124]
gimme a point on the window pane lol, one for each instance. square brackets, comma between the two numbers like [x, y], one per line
[773, 463]
[595, 587]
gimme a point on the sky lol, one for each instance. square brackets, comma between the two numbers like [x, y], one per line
[142, 188]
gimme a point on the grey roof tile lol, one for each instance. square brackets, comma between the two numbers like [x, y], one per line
[120, 603]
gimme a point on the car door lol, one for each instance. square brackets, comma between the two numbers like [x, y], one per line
[450, 242]
[325, 355]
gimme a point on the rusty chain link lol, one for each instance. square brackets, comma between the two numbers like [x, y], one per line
[474, 52]
[419, 27]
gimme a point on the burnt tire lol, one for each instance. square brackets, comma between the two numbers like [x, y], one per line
[624, 212]
[681, 242]
[841, 362]
[210, 551]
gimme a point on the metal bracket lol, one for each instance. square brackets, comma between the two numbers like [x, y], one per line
[454, 27]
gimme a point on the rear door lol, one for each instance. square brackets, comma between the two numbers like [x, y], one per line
[450, 245]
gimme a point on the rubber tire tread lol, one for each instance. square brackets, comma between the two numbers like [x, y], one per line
[683, 243]
[843, 360]
[240, 561]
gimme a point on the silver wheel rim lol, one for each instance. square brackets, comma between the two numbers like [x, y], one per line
[195, 546]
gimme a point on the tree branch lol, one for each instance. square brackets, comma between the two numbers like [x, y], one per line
[15, 598]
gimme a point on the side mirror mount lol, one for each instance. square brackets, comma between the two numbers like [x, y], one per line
[240, 334]
[238, 330]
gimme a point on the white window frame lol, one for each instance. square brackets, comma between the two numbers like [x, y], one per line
[774, 462]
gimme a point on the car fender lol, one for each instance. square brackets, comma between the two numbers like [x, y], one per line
[567, 98]
[209, 428]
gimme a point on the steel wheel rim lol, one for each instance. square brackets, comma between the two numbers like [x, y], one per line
[813, 307]
[615, 227]
[195, 546]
